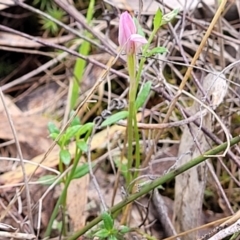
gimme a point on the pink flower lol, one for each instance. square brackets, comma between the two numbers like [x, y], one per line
[128, 37]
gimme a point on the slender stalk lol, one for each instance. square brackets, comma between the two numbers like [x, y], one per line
[143, 59]
[150, 186]
[137, 148]
[131, 62]
[64, 193]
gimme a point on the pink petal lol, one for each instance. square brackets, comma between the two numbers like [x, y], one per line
[126, 28]
[138, 38]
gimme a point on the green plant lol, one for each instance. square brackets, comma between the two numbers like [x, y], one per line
[49, 25]
[79, 134]
[44, 4]
[80, 64]
[108, 231]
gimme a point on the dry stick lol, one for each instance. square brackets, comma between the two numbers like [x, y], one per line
[36, 71]
[24, 236]
[189, 70]
[69, 29]
[198, 228]
[196, 22]
[73, 12]
[98, 82]
[155, 126]
[234, 228]
[56, 46]
[152, 185]
[206, 131]
[19, 151]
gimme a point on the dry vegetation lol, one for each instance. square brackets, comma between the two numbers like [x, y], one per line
[38, 65]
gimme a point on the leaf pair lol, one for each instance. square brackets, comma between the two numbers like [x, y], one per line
[141, 98]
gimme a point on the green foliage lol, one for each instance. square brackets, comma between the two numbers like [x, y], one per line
[156, 50]
[82, 145]
[157, 19]
[80, 134]
[114, 118]
[72, 132]
[139, 28]
[43, 4]
[65, 156]
[169, 16]
[79, 172]
[80, 64]
[108, 231]
[160, 19]
[49, 25]
[122, 165]
[47, 179]
[143, 94]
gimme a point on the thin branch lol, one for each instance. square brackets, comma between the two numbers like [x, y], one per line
[19, 151]
[152, 185]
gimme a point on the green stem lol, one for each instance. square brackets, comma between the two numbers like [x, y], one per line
[154, 184]
[80, 64]
[131, 62]
[64, 193]
[137, 151]
[143, 59]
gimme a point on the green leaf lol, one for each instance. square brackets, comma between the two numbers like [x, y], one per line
[85, 128]
[103, 233]
[143, 95]
[82, 145]
[157, 22]
[112, 237]
[122, 165]
[156, 50]
[75, 121]
[53, 136]
[72, 131]
[124, 229]
[47, 179]
[63, 141]
[52, 128]
[107, 221]
[65, 156]
[114, 118]
[139, 28]
[81, 171]
[169, 16]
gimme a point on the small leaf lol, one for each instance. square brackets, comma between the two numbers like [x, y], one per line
[65, 156]
[103, 233]
[52, 128]
[72, 131]
[143, 94]
[85, 128]
[108, 221]
[47, 179]
[81, 171]
[122, 165]
[114, 118]
[112, 237]
[63, 141]
[139, 28]
[82, 145]
[169, 16]
[156, 50]
[124, 229]
[75, 121]
[53, 135]
[157, 19]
